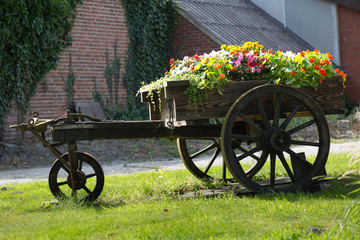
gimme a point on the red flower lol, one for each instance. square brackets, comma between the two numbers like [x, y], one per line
[321, 80]
[293, 73]
[323, 72]
[171, 61]
[196, 56]
[317, 67]
[311, 60]
[221, 75]
[217, 65]
[316, 51]
[252, 64]
[166, 73]
[302, 54]
[192, 69]
[303, 69]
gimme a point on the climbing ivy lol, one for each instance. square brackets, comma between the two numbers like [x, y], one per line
[32, 34]
[69, 82]
[150, 25]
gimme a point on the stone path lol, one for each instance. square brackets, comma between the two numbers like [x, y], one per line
[123, 167]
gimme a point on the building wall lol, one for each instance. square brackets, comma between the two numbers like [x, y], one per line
[98, 25]
[315, 21]
[349, 29]
[189, 40]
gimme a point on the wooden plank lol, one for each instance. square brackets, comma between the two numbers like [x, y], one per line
[329, 96]
[130, 130]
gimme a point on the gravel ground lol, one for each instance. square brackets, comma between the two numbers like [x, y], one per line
[124, 167]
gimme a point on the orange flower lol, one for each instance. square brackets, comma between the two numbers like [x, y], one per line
[337, 70]
[329, 56]
[293, 73]
[316, 51]
[311, 60]
[217, 65]
[221, 75]
[171, 61]
[317, 67]
[166, 73]
[321, 80]
[303, 69]
[342, 74]
[322, 62]
[302, 54]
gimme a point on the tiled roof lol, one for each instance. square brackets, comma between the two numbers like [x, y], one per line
[237, 21]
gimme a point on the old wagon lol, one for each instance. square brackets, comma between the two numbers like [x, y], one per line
[253, 125]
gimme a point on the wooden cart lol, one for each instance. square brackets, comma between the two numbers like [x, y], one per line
[254, 126]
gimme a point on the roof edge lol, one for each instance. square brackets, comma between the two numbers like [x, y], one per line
[353, 4]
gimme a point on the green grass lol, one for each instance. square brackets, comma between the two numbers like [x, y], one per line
[150, 206]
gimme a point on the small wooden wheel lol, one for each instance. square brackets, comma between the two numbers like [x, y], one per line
[281, 119]
[201, 160]
[88, 181]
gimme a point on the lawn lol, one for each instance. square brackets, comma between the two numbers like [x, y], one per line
[151, 206]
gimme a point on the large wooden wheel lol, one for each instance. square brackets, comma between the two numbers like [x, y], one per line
[88, 180]
[281, 119]
[202, 160]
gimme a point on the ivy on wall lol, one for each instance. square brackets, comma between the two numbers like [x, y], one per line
[32, 34]
[151, 25]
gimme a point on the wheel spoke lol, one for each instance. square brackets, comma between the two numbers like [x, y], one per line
[251, 123]
[216, 153]
[80, 164]
[272, 170]
[302, 126]
[263, 114]
[304, 143]
[65, 168]
[87, 190]
[292, 114]
[90, 175]
[62, 183]
[286, 166]
[277, 110]
[248, 153]
[256, 168]
[246, 137]
[203, 150]
[252, 155]
[298, 157]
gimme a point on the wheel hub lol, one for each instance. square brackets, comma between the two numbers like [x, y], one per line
[79, 180]
[276, 140]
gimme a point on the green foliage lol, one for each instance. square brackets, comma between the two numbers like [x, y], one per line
[32, 34]
[150, 29]
[110, 103]
[69, 87]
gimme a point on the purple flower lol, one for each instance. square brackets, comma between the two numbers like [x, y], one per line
[238, 61]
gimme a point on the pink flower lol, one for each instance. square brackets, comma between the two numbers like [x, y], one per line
[238, 61]
[258, 70]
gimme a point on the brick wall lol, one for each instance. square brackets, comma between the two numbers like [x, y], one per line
[349, 31]
[98, 24]
[189, 40]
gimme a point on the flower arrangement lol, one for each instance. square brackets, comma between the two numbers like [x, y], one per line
[249, 61]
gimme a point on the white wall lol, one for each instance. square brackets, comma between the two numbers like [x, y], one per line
[315, 21]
